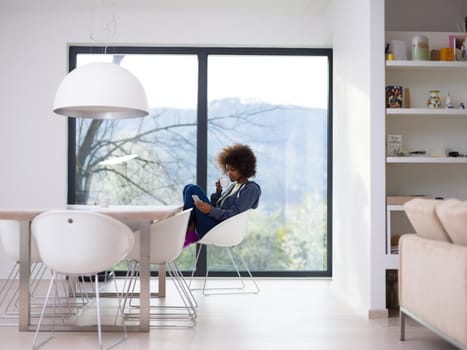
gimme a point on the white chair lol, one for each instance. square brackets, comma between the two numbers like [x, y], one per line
[228, 235]
[77, 243]
[10, 242]
[167, 238]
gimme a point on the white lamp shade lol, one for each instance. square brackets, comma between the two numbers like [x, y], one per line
[101, 91]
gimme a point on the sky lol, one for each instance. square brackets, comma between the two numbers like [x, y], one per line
[171, 80]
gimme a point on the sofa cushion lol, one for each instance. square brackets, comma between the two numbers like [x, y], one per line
[453, 216]
[422, 215]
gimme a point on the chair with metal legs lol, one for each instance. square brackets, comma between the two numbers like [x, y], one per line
[78, 243]
[167, 238]
[227, 235]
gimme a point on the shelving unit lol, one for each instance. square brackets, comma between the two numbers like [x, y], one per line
[434, 131]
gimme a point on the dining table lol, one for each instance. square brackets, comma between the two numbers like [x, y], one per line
[138, 217]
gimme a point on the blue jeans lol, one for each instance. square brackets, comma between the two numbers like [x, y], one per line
[203, 222]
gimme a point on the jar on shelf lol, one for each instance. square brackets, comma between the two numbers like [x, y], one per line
[420, 48]
[434, 101]
[447, 102]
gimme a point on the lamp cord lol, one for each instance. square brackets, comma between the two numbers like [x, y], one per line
[109, 25]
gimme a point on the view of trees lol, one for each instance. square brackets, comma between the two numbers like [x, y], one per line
[287, 232]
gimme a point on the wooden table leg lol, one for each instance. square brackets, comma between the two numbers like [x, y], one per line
[161, 281]
[145, 276]
[24, 276]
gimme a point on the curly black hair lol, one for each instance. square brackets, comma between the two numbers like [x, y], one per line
[240, 157]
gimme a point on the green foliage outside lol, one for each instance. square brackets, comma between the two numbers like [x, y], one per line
[284, 234]
[273, 244]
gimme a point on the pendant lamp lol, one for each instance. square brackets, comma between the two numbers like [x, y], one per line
[101, 90]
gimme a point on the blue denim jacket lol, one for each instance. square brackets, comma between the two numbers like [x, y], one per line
[247, 197]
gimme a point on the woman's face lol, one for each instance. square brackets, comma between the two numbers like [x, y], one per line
[233, 173]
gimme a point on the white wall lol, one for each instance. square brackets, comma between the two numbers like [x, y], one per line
[358, 208]
[377, 167]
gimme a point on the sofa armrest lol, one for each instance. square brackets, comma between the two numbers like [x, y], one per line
[433, 283]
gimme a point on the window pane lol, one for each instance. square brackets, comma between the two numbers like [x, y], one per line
[164, 143]
[162, 146]
[276, 103]
[278, 106]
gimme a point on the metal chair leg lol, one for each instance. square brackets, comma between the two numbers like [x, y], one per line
[36, 345]
[34, 341]
[195, 263]
[172, 316]
[227, 290]
[99, 324]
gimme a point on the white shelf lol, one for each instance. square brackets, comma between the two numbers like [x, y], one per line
[395, 207]
[392, 261]
[431, 65]
[443, 160]
[427, 111]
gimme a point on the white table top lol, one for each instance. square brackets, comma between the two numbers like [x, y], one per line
[120, 212]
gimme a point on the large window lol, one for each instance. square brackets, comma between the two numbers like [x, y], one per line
[201, 99]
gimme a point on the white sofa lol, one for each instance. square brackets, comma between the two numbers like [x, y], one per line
[433, 268]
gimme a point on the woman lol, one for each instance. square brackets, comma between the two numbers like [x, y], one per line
[239, 163]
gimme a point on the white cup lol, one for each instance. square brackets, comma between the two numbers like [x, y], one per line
[224, 181]
[399, 48]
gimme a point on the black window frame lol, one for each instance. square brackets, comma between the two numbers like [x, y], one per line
[202, 120]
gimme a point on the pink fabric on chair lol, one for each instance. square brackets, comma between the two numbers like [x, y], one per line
[190, 238]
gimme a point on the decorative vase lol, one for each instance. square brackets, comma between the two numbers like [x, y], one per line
[434, 101]
[420, 48]
[448, 103]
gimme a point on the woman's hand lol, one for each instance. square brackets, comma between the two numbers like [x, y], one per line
[218, 186]
[203, 207]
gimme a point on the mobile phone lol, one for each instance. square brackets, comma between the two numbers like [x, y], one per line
[196, 198]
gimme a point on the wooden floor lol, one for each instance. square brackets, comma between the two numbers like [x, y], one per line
[287, 314]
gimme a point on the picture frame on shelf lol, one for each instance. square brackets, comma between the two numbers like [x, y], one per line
[394, 96]
[458, 43]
